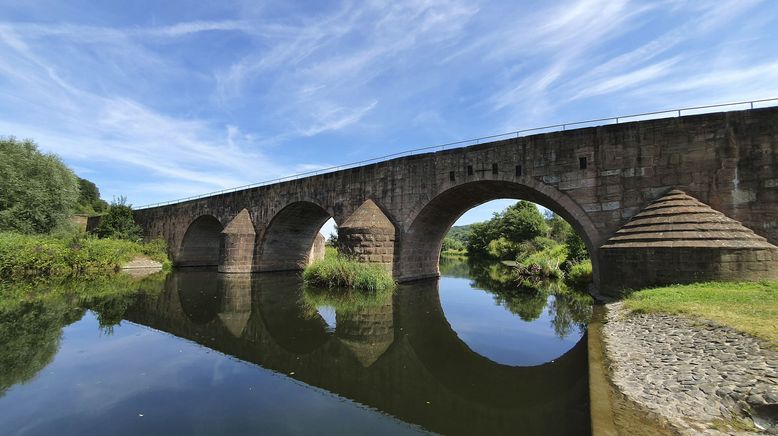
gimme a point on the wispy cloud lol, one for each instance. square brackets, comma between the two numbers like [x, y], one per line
[204, 104]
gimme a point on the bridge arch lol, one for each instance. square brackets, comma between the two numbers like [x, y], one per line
[201, 243]
[287, 240]
[421, 242]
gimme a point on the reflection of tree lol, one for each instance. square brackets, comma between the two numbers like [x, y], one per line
[568, 308]
[30, 334]
[454, 266]
[31, 319]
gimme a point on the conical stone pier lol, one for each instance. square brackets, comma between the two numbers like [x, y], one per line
[368, 236]
[678, 239]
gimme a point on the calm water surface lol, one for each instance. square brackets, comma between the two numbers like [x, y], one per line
[204, 353]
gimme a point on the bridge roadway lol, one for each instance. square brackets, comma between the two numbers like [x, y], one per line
[397, 212]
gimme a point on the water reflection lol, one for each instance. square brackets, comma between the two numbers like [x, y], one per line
[398, 356]
[571, 310]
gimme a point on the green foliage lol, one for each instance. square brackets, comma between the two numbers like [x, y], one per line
[330, 251]
[459, 233]
[521, 222]
[518, 223]
[576, 249]
[481, 234]
[452, 245]
[37, 191]
[89, 201]
[342, 272]
[29, 257]
[558, 229]
[119, 222]
[580, 274]
[543, 264]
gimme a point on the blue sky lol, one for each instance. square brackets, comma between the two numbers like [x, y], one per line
[162, 100]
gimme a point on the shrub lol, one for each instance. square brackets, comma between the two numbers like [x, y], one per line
[545, 263]
[580, 274]
[345, 273]
[37, 256]
[576, 249]
[119, 222]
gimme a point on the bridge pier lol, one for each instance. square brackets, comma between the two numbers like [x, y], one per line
[368, 236]
[237, 245]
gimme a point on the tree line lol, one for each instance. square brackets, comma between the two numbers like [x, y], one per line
[39, 194]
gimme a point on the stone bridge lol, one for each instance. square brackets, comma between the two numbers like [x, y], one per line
[397, 212]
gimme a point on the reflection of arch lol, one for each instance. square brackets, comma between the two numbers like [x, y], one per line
[198, 294]
[420, 246]
[284, 317]
[471, 375]
[287, 241]
[200, 246]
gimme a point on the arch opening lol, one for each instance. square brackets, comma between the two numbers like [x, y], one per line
[421, 245]
[293, 238]
[201, 245]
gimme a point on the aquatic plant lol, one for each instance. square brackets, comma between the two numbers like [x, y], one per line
[341, 272]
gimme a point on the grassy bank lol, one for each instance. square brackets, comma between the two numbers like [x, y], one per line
[748, 307]
[35, 257]
[342, 272]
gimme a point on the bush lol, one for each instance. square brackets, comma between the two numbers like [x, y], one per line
[576, 249]
[36, 256]
[342, 272]
[580, 274]
[546, 263]
[37, 191]
[119, 222]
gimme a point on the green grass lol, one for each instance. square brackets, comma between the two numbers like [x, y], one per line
[342, 272]
[35, 257]
[330, 251]
[748, 307]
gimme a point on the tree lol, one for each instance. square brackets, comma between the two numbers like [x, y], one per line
[576, 249]
[119, 222]
[89, 200]
[559, 229]
[521, 222]
[481, 234]
[37, 191]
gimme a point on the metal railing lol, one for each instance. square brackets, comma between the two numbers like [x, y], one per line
[767, 102]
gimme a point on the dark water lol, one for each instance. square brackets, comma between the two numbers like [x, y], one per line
[204, 353]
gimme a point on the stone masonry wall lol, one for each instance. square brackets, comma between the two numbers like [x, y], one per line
[596, 177]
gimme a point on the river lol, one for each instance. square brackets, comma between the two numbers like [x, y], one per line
[205, 353]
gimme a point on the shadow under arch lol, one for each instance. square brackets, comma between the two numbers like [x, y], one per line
[201, 244]
[198, 294]
[471, 375]
[420, 245]
[284, 318]
[286, 242]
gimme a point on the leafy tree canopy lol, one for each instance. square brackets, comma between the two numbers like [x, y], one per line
[89, 201]
[37, 191]
[119, 222]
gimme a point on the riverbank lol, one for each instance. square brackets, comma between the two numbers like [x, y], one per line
[41, 257]
[697, 376]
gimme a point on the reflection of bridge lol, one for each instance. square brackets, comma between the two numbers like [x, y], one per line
[397, 212]
[401, 358]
